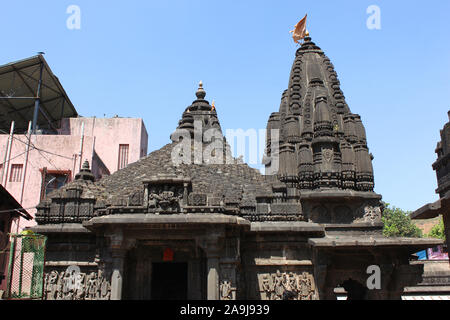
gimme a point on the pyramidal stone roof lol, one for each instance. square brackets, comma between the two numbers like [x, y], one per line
[220, 180]
[233, 181]
[320, 172]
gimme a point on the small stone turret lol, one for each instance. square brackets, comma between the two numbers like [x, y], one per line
[200, 125]
[85, 173]
[200, 116]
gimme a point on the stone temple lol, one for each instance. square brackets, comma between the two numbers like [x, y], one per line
[214, 228]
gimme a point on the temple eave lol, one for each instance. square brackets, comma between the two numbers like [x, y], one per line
[163, 220]
[411, 244]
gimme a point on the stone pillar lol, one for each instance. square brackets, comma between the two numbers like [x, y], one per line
[119, 247]
[118, 256]
[213, 277]
[210, 245]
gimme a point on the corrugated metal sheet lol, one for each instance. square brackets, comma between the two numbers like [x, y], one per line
[18, 89]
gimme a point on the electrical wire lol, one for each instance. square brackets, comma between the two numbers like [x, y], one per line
[34, 147]
[2, 163]
[30, 144]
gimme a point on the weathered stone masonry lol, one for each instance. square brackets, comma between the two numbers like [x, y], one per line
[160, 230]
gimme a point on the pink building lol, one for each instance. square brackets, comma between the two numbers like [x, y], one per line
[43, 141]
[53, 160]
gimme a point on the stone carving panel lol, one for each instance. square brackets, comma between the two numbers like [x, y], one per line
[197, 199]
[165, 198]
[228, 280]
[276, 286]
[327, 154]
[227, 292]
[73, 285]
[136, 199]
[372, 214]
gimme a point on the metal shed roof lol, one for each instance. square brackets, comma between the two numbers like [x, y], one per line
[18, 92]
[8, 201]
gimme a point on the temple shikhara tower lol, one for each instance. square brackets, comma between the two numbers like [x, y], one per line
[211, 227]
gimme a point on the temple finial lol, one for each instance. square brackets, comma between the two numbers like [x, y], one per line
[200, 92]
[85, 165]
[85, 173]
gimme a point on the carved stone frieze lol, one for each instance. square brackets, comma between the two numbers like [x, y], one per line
[74, 285]
[276, 286]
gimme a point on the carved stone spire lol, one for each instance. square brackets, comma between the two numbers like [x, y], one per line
[317, 123]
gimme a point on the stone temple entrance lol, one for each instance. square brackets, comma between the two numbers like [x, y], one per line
[151, 274]
[169, 281]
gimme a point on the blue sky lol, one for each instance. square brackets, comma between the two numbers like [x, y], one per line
[145, 58]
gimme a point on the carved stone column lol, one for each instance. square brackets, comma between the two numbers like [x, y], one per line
[210, 245]
[213, 276]
[119, 247]
[118, 256]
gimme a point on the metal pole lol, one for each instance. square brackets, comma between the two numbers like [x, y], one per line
[26, 163]
[21, 267]
[8, 155]
[62, 112]
[93, 152]
[44, 187]
[81, 145]
[74, 166]
[4, 163]
[10, 265]
[43, 269]
[38, 100]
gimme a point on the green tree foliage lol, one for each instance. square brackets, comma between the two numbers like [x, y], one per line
[438, 231]
[397, 223]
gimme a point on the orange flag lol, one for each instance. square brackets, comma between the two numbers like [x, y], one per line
[299, 31]
[213, 107]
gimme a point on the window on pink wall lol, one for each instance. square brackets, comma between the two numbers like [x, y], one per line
[53, 180]
[123, 155]
[16, 173]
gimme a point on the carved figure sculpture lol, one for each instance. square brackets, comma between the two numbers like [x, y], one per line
[226, 290]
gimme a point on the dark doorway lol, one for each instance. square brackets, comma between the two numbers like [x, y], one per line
[169, 281]
[355, 290]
